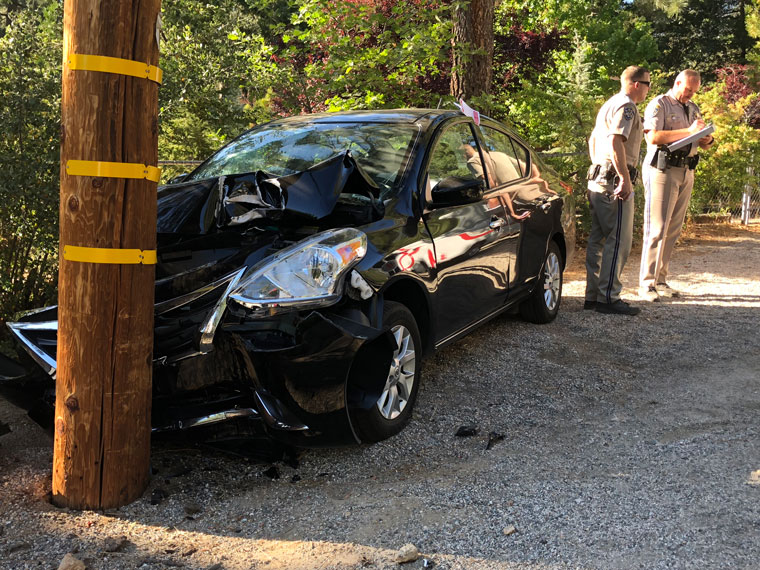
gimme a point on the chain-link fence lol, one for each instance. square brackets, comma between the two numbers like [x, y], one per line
[750, 210]
[734, 197]
[738, 202]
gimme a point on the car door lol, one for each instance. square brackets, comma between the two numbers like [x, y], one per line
[530, 194]
[506, 173]
[471, 248]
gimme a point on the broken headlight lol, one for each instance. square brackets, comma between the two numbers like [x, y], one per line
[306, 274]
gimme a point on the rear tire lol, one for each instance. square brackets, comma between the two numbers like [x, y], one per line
[543, 304]
[393, 409]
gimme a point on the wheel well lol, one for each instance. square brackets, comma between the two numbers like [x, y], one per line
[413, 298]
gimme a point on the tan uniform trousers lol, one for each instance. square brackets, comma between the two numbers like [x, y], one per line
[609, 244]
[667, 199]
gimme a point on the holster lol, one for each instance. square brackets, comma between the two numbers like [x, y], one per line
[605, 174]
[664, 159]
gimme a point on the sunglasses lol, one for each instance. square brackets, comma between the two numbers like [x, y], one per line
[644, 83]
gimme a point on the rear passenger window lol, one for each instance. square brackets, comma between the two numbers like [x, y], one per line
[522, 156]
[506, 159]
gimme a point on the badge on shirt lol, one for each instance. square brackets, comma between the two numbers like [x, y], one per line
[628, 113]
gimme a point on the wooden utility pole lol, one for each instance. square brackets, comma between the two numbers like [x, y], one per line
[109, 141]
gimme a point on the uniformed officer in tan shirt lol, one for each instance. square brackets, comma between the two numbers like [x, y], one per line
[668, 179]
[614, 149]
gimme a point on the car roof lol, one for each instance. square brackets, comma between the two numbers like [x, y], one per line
[410, 116]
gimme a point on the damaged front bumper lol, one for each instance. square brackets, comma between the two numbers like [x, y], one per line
[297, 379]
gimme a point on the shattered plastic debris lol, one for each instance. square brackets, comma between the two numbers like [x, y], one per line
[290, 459]
[178, 471]
[272, 472]
[358, 283]
[467, 431]
[115, 544]
[157, 496]
[493, 439]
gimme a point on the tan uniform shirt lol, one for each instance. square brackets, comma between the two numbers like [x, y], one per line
[666, 113]
[618, 116]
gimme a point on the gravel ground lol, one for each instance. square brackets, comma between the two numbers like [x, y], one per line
[615, 442]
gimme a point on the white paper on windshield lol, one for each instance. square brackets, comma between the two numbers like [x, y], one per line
[708, 130]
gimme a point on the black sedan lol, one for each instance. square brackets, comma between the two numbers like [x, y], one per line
[306, 268]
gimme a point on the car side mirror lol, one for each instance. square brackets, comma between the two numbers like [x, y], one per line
[179, 178]
[455, 191]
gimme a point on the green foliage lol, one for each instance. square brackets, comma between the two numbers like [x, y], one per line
[670, 8]
[30, 76]
[705, 35]
[206, 56]
[753, 20]
[556, 109]
[722, 174]
[364, 55]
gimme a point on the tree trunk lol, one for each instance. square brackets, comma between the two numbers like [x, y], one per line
[472, 47]
[105, 311]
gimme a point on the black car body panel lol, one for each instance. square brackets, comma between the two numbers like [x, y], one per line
[300, 376]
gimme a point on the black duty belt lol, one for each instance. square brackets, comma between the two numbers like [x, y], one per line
[606, 174]
[663, 159]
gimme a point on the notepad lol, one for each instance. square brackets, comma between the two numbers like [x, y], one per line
[708, 130]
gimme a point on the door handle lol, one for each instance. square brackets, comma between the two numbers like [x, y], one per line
[497, 223]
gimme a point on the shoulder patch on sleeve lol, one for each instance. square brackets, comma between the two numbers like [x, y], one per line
[656, 110]
[628, 113]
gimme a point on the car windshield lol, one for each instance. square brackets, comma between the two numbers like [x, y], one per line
[382, 150]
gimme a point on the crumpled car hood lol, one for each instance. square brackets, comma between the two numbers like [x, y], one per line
[205, 206]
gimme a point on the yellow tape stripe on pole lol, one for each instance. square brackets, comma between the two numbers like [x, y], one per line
[109, 255]
[83, 62]
[112, 169]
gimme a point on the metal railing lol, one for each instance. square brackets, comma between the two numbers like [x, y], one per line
[179, 162]
[750, 210]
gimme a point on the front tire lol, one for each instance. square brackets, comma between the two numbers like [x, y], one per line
[393, 409]
[543, 304]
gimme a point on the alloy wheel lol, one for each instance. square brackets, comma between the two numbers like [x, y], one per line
[400, 381]
[552, 280]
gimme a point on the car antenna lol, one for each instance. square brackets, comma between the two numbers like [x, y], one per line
[439, 102]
